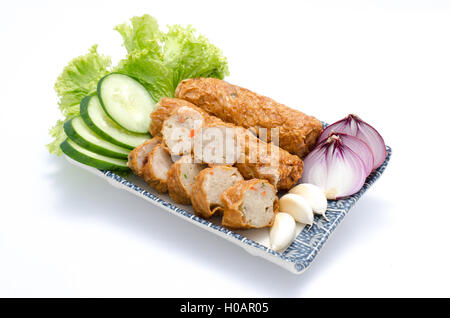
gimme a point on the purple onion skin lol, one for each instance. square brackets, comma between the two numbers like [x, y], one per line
[321, 168]
[354, 126]
[359, 147]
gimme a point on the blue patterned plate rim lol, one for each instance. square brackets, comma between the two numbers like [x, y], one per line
[308, 242]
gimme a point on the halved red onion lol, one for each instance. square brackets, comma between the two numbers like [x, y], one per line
[359, 147]
[334, 167]
[354, 126]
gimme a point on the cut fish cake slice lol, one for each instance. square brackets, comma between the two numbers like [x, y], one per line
[249, 204]
[137, 158]
[216, 145]
[208, 187]
[155, 170]
[178, 130]
[181, 177]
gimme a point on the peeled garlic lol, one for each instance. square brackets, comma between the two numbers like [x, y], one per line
[298, 207]
[314, 195]
[282, 232]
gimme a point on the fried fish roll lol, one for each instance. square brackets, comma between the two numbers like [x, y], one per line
[266, 161]
[167, 106]
[254, 158]
[155, 170]
[137, 158]
[249, 204]
[208, 187]
[181, 177]
[216, 145]
[297, 133]
[179, 128]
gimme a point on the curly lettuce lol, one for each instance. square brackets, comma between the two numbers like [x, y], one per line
[143, 33]
[158, 60]
[189, 55]
[161, 60]
[58, 135]
[77, 80]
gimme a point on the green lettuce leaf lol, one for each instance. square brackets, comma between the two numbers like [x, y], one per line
[160, 61]
[58, 134]
[143, 41]
[143, 34]
[190, 56]
[78, 79]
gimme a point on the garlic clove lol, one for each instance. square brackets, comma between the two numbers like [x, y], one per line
[282, 232]
[314, 195]
[298, 207]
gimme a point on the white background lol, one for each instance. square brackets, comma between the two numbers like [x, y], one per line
[65, 232]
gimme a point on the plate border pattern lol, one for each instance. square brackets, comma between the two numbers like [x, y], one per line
[299, 255]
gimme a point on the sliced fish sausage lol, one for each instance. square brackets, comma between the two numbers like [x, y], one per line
[155, 170]
[249, 204]
[181, 177]
[208, 187]
[137, 158]
[254, 158]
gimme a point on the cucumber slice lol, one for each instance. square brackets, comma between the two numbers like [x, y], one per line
[90, 158]
[126, 101]
[98, 121]
[80, 133]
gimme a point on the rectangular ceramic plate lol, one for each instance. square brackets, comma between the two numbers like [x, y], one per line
[296, 258]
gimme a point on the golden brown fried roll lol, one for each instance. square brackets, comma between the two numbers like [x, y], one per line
[155, 170]
[137, 158]
[262, 160]
[208, 187]
[249, 204]
[181, 177]
[179, 128]
[167, 106]
[255, 158]
[298, 132]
